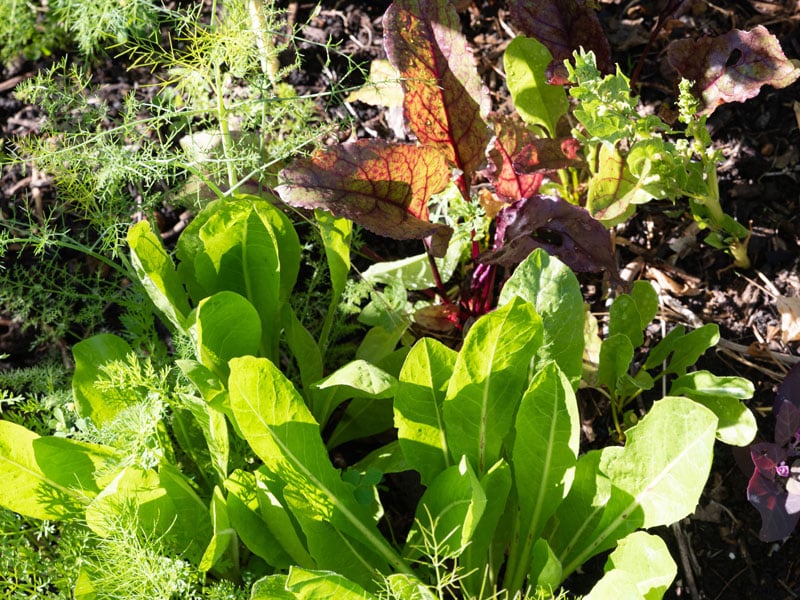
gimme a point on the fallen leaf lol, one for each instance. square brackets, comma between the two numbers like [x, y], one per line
[789, 309]
[382, 87]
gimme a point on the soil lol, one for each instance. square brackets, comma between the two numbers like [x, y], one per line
[717, 549]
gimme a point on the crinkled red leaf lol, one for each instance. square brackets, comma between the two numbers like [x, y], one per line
[563, 26]
[445, 103]
[511, 136]
[518, 159]
[560, 228]
[381, 186]
[732, 67]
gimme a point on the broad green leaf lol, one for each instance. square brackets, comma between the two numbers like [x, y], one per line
[448, 512]
[50, 477]
[544, 452]
[336, 236]
[658, 355]
[90, 356]
[616, 355]
[551, 287]
[445, 102]
[647, 558]
[586, 522]
[356, 379]
[265, 527]
[243, 245]
[481, 566]
[616, 585]
[612, 193]
[666, 460]
[418, 407]
[283, 434]
[381, 186]
[226, 326]
[378, 343]
[631, 313]
[737, 424]
[538, 103]
[156, 272]
[317, 585]
[490, 374]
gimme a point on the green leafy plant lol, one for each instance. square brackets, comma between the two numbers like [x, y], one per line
[492, 429]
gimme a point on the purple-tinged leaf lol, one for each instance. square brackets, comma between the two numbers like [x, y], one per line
[510, 138]
[381, 186]
[445, 103]
[563, 26]
[732, 67]
[563, 230]
[547, 155]
[779, 511]
[789, 390]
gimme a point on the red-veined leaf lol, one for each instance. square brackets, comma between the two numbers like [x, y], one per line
[732, 67]
[563, 26]
[381, 186]
[445, 103]
[510, 137]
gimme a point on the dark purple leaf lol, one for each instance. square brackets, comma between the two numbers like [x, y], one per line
[778, 517]
[732, 67]
[563, 230]
[563, 26]
[788, 390]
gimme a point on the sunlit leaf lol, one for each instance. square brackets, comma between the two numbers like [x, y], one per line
[383, 187]
[445, 103]
[732, 67]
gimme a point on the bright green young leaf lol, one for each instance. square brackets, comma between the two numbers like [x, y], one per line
[666, 460]
[481, 566]
[490, 374]
[156, 272]
[550, 286]
[243, 245]
[546, 572]
[647, 558]
[90, 356]
[386, 459]
[664, 348]
[303, 346]
[271, 587]
[615, 585]
[202, 432]
[222, 550]
[336, 237]
[356, 379]
[691, 347]
[616, 355]
[538, 103]
[282, 432]
[226, 326]
[613, 191]
[418, 407]
[316, 585]
[544, 452]
[50, 477]
[265, 528]
[737, 424]
[631, 313]
[448, 512]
